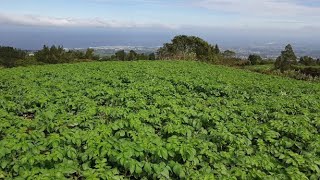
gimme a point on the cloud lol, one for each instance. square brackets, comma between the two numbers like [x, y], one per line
[129, 1]
[263, 8]
[37, 20]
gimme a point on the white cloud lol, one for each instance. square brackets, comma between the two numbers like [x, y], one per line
[262, 8]
[37, 20]
[264, 14]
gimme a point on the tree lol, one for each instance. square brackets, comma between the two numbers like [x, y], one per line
[120, 55]
[89, 53]
[229, 54]
[54, 55]
[43, 55]
[216, 49]
[152, 56]
[254, 59]
[286, 59]
[9, 56]
[132, 56]
[307, 61]
[186, 48]
[77, 54]
[142, 56]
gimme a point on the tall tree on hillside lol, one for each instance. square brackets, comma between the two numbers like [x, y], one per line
[152, 56]
[286, 59]
[52, 55]
[132, 55]
[121, 55]
[216, 49]
[89, 53]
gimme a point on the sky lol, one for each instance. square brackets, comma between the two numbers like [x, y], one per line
[66, 21]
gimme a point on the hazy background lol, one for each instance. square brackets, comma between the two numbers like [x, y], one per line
[235, 24]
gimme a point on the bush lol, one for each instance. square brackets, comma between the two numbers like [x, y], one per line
[311, 71]
[254, 59]
[28, 61]
[9, 56]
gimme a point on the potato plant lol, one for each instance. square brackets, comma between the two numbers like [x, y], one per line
[156, 120]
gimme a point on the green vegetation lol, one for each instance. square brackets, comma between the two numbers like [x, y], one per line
[194, 48]
[286, 59]
[305, 73]
[254, 59]
[309, 61]
[181, 47]
[56, 55]
[188, 48]
[260, 68]
[9, 56]
[156, 120]
[131, 56]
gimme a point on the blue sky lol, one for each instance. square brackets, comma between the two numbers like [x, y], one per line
[163, 13]
[294, 18]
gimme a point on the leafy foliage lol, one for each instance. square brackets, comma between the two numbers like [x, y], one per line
[184, 47]
[308, 61]
[9, 56]
[254, 59]
[122, 55]
[56, 55]
[229, 54]
[156, 120]
[286, 59]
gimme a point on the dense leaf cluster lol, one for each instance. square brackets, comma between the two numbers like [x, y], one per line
[188, 48]
[286, 59]
[132, 55]
[56, 55]
[9, 56]
[309, 61]
[156, 120]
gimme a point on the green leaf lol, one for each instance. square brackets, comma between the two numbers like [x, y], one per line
[177, 169]
[164, 153]
[147, 167]
[132, 167]
[157, 169]
[4, 164]
[50, 115]
[165, 173]
[138, 169]
[122, 133]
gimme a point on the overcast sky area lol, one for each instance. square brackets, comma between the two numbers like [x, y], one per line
[83, 23]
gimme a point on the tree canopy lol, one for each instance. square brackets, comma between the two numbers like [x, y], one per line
[55, 55]
[229, 54]
[254, 59]
[308, 61]
[9, 56]
[187, 48]
[286, 59]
